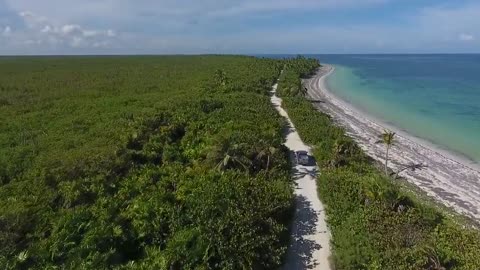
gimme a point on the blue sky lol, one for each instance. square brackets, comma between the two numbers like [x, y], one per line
[238, 26]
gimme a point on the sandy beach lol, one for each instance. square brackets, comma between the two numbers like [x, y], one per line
[448, 178]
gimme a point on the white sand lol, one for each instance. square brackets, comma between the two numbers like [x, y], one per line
[449, 178]
[310, 239]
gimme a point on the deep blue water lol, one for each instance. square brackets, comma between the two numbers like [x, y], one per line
[434, 97]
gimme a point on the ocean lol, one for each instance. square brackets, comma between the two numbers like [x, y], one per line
[433, 97]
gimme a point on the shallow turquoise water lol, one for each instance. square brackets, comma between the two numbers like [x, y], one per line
[434, 97]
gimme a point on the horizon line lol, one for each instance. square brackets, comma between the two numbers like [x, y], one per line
[227, 54]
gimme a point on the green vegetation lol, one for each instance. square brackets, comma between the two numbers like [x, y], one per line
[141, 163]
[374, 223]
[291, 84]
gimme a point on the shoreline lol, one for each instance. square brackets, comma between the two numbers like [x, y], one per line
[451, 179]
[460, 158]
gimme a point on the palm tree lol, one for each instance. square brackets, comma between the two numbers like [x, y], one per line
[387, 138]
[338, 150]
[226, 154]
[342, 150]
[266, 151]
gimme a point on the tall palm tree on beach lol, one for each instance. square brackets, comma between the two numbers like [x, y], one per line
[388, 139]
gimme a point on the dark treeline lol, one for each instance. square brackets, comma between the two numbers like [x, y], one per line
[142, 163]
[375, 223]
[291, 85]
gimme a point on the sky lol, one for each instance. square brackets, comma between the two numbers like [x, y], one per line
[238, 26]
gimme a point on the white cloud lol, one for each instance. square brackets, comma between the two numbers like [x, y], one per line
[102, 44]
[172, 14]
[77, 42]
[188, 26]
[32, 20]
[252, 6]
[44, 34]
[466, 37]
[90, 33]
[7, 31]
[47, 29]
[94, 33]
[445, 20]
[167, 23]
[111, 33]
[73, 29]
[73, 9]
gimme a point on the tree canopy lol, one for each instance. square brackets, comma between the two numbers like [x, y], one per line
[141, 163]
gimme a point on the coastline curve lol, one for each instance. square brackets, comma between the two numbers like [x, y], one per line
[449, 178]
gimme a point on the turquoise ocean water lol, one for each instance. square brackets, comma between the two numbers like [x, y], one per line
[434, 97]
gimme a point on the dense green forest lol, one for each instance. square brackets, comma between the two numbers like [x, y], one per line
[178, 163]
[141, 163]
[375, 223]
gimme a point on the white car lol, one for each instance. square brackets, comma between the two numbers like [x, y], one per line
[301, 157]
